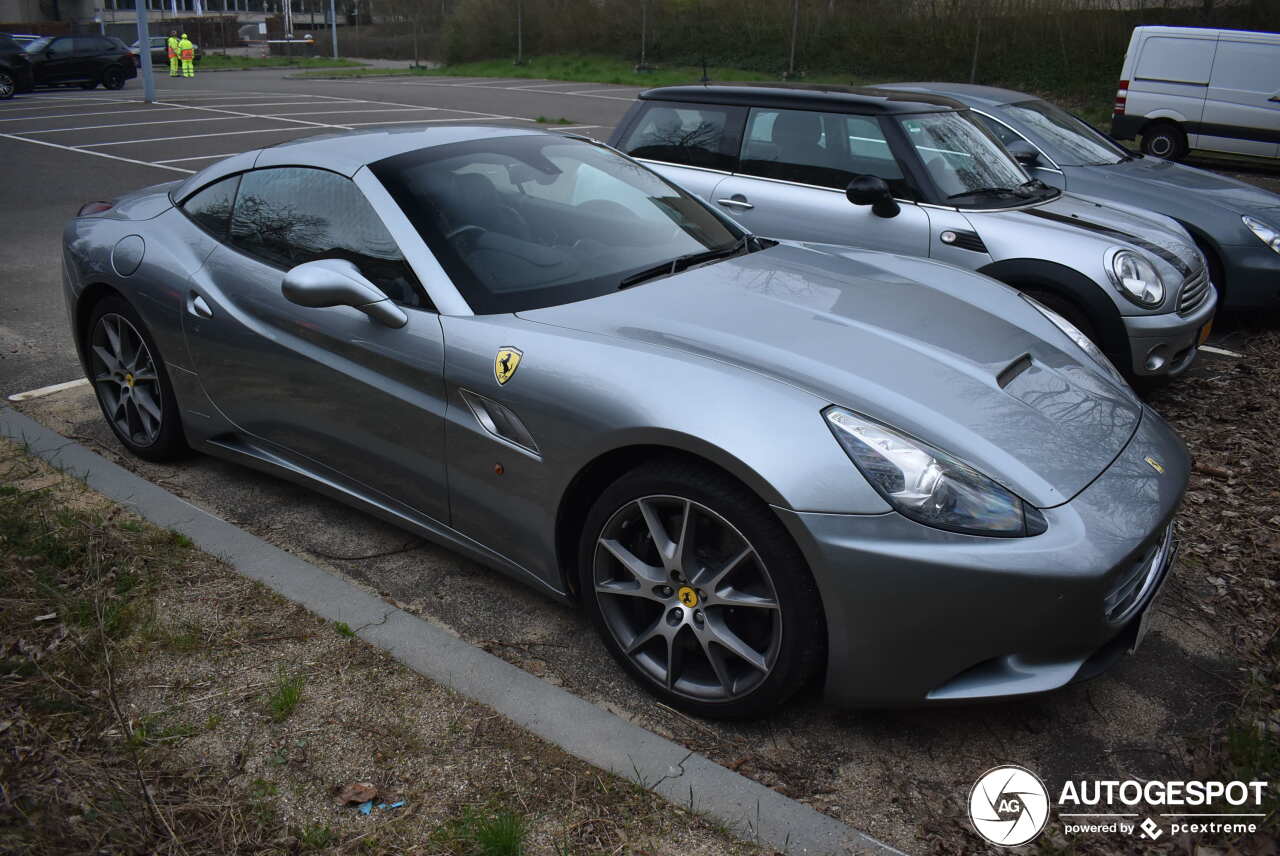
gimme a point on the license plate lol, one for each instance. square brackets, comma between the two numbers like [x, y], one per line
[1204, 332]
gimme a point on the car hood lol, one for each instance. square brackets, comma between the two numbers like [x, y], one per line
[1119, 224]
[949, 356]
[1174, 185]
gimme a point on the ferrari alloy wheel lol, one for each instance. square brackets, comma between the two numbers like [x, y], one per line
[132, 387]
[718, 617]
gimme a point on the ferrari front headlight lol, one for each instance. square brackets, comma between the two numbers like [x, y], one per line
[1266, 234]
[928, 485]
[1135, 278]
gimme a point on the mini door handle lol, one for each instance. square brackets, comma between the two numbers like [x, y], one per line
[736, 203]
[196, 305]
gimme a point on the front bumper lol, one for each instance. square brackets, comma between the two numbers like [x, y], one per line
[1253, 277]
[1165, 345]
[917, 616]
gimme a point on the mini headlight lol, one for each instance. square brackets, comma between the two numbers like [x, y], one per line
[1084, 342]
[1135, 278]
[928, 485]
[1266, 234]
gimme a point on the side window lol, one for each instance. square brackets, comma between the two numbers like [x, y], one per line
[61, 47]
[210, 208]
[823, 149]
[291, 215]
[1247, 67]
[688, 134]
[999, 130]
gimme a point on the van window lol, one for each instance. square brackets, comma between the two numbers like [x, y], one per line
[1247, 67]
[689, 134]
[1175, 60]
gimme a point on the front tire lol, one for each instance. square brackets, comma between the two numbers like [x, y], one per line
[113, 78]
[7, 86]
[130, 381]
[1165, 140]
[699, 592]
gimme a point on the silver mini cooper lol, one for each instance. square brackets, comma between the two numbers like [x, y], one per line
[926, 179]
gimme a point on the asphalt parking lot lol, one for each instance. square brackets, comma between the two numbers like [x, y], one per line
[885, 772]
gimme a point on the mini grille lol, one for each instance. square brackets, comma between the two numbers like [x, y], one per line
[1126, 595]
[1194, 291]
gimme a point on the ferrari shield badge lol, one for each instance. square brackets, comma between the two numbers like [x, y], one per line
[506, 363]
[1155, 465]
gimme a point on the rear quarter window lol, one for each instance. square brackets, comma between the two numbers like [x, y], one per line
[210, 208]
[700, 135]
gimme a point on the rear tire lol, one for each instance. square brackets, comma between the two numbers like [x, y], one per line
[728, 622]
[129, 378]
[113, 78]
[1164, 140]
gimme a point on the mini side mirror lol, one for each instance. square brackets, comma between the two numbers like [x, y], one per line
[1024, 153]
[336, 282]
[874, 191]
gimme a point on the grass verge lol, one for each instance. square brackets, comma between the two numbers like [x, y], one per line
[154, 701]
[213, 61]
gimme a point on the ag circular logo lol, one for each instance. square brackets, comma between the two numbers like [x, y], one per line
[1009, 805]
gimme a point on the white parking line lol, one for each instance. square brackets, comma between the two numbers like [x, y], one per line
[349, 112]
[87, 146]
[80, 115]
[48, 390]
[277, 104]
[136, 124]
[255, 116]
[434, 121]
[198, 157]
[96, 154]
[7, 108]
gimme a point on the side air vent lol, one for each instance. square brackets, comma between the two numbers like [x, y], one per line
[963, 239]
[498, 420]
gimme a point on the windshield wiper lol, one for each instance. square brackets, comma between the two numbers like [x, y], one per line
[985, 191]
[684, 262]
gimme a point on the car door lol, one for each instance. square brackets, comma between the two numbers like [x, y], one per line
[694, 145]
[59, 61]
[792, 174]
[336, 392]
[1242, 108]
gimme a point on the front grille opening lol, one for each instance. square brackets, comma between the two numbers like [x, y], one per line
[1194, 291]
[1131, 587]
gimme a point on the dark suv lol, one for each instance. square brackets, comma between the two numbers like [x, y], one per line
[15, 68]
[83, 60]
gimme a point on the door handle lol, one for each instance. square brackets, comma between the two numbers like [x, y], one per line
[196, 305]
[736, 203]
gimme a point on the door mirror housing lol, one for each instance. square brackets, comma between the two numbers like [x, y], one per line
[874, 191]
[336, 282]
[1024, 153]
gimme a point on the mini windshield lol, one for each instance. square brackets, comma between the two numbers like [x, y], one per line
[1066, 139]
[966, 163]
[522, 222]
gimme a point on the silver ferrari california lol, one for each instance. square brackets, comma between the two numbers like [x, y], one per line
[754, 463]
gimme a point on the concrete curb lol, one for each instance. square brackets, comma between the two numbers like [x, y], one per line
[747, 808]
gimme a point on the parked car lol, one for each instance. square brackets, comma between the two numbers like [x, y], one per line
[1185, 88]
[750, 461]
[159, 52]
[1235, 225]
[15, 68]
[84, 60]
[924, 178]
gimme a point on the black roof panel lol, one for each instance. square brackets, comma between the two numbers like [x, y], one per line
[840, 99]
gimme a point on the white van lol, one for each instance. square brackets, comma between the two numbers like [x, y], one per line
[1189, 88]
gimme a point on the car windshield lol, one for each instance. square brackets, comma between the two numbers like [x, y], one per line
[966, 163]
[522, 222]
[38, 45]
[1066, 139]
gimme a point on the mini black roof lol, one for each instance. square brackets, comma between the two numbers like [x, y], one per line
[840, 99]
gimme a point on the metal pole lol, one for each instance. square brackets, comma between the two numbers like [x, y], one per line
[333, 27]
[795, 25]
[144, 54]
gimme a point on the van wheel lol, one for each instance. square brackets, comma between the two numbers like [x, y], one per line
[1165, 140]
